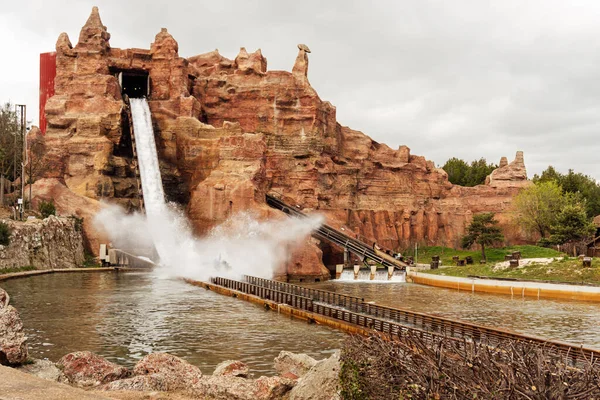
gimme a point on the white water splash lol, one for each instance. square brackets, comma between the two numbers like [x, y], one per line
[241, 246]
[365, 276]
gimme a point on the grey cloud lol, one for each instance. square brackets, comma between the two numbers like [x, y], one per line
[463, 78]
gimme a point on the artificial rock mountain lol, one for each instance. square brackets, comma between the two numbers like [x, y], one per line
[230, 131]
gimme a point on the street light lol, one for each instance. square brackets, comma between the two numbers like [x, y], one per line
[25, 158]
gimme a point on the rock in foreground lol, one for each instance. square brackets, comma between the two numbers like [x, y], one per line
[232, 368]
[13, 347]
[86, 369]
[320, 383]
[173, 372]
[296, 364]
[44, 369]
[140, 383]
[235, 388]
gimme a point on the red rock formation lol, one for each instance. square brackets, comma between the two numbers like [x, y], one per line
[86, 369]
[301, 65]
[229, 131]
[13, 343]
[232, 368]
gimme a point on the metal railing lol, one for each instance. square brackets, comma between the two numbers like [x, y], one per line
[325, 232]
[293, 300]
[355, 310]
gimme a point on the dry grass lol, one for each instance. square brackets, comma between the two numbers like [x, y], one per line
[411, 367]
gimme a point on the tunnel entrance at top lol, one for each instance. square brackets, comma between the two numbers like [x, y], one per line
[134, 84]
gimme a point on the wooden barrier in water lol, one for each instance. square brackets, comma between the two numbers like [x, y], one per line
[393, 321]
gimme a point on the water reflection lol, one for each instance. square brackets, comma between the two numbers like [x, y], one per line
[570, 321]
[126, 316]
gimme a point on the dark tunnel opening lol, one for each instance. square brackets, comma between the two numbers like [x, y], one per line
[135, 84]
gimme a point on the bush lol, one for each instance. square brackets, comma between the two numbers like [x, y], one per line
[47, 208]
[545, 242]
[415, 367]
[4, 234]
[77, 223]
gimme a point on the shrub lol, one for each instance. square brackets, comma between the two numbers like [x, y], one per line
[47, 208]
[4, 234]
[544, 242]
[415, 367]
[90, 261]
[77, 223]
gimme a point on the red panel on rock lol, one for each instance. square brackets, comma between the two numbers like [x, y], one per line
[47, 75]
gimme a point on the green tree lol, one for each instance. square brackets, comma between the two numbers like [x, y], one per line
[537, 207]
[484, 231]
[464, 174]
[575, 182]
[11, 142]
[11, 145]
[572, 224]
[549, 174]
[47, 208]
[457, 171]
[478, 171]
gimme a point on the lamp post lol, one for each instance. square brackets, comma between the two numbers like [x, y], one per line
[25, 158]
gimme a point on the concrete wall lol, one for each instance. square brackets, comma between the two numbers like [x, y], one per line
[512, 288]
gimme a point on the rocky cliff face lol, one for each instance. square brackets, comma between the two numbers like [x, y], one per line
[229, 131]
[48, 244]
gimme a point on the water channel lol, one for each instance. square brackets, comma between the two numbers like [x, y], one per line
[124, 316]
[570, 321]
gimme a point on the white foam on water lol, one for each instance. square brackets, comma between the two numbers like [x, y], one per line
[242, 245]
[364, 275]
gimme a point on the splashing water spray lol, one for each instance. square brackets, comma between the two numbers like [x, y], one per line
[241, 246]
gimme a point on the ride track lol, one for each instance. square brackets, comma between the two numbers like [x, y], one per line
[325, 232]
[394, 321]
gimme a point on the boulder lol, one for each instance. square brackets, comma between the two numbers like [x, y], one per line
[70, 203]
[45, 244]
[296, 364]
[320, 383]
[250, 62]
[4, 298]
[13, 346]
[173, 372]
[44, 369]
[232, 368]
[236, 388]
[86, 369]
[507, 175]
[140, 383]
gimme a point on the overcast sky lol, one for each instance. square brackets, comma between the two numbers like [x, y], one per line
[447, 78]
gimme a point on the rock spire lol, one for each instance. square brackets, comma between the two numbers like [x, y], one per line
[93, 35]
[301, 64]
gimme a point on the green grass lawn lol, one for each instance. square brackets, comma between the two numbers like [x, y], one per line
[493, 255]
[562, 269]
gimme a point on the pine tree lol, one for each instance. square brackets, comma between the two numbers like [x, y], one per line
[484, 231]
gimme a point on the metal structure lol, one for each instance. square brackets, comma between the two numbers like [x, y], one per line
[21, 115]
[134, 161]
[362, 250]
[393, 321]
